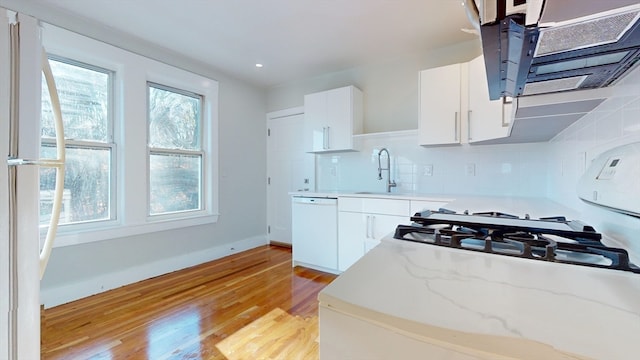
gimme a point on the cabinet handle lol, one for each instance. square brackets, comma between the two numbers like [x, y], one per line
[505, 101]
[324, 137]
[455, 129]
[328, 139]
[469, 125]
[368, 225]
[373, 220]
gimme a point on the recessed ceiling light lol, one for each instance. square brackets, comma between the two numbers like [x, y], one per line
[258, 65]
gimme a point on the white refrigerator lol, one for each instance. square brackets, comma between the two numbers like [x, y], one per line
[22, 254]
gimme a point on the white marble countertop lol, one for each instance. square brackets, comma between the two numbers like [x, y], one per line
[380, 195]
[492, 302]
[535, 207]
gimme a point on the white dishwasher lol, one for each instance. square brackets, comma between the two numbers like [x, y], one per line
[314, 231]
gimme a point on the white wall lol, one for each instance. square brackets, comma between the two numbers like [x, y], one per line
[390, 88]
[81, 270]
[615, 122]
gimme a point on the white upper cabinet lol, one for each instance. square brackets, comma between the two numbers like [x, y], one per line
[486, 119]
[455, 106]
[440, 107]
[332, 118]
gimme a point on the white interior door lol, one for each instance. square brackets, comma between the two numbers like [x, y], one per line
[289, 169]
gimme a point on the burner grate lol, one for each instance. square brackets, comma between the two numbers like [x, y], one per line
[572, 243]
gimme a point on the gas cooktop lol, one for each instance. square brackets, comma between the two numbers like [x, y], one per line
[553, 239]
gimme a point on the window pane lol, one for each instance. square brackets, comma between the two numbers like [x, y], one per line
[86, 185]
[174, 120]
[84, 101]
[175, 183]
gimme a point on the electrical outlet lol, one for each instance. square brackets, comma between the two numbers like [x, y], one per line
[428, 170]
[470, 169]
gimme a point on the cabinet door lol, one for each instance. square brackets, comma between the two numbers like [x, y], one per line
[439, 113]
[384, 225]
[487, 119]
[315, 125]
[351, 236]
[360, 232]
[339, 119]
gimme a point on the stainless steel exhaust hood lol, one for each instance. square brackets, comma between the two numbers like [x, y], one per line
[537, 47]
[556, 58]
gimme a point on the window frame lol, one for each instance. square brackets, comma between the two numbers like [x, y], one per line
[110, 145]
[131, 72]
[179, 152]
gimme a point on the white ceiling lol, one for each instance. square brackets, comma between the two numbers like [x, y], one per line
[293, 38]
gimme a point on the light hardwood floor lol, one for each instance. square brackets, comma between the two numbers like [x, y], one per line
[251, 305]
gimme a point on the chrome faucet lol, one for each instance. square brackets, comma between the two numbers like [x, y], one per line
[390, 183]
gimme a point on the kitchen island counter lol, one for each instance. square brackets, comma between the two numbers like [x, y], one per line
[479, 306]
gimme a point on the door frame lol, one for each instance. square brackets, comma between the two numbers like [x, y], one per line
[299, 110]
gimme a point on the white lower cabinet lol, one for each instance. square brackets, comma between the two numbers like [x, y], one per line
[360, 232]
[363, 222]
[330, 240]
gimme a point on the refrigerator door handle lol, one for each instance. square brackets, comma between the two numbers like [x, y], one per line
[57, 163]
[45, 253]
[53, 163]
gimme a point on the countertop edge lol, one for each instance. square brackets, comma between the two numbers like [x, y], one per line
[487, 346]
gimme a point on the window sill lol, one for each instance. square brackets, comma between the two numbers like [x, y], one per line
[114, 230]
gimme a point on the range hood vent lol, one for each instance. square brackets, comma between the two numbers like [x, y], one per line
[556, 85]
[584, 34]
[553, 46]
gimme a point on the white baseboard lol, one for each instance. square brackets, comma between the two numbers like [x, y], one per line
[63, 294]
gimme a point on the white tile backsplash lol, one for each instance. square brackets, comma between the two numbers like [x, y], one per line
[615, 122]
[631, 117]
[517, 170]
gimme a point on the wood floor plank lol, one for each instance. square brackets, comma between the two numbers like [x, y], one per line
[186, 314]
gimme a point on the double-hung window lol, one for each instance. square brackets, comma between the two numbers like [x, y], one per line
[85, 93]
[175, 151]
[141, 143]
